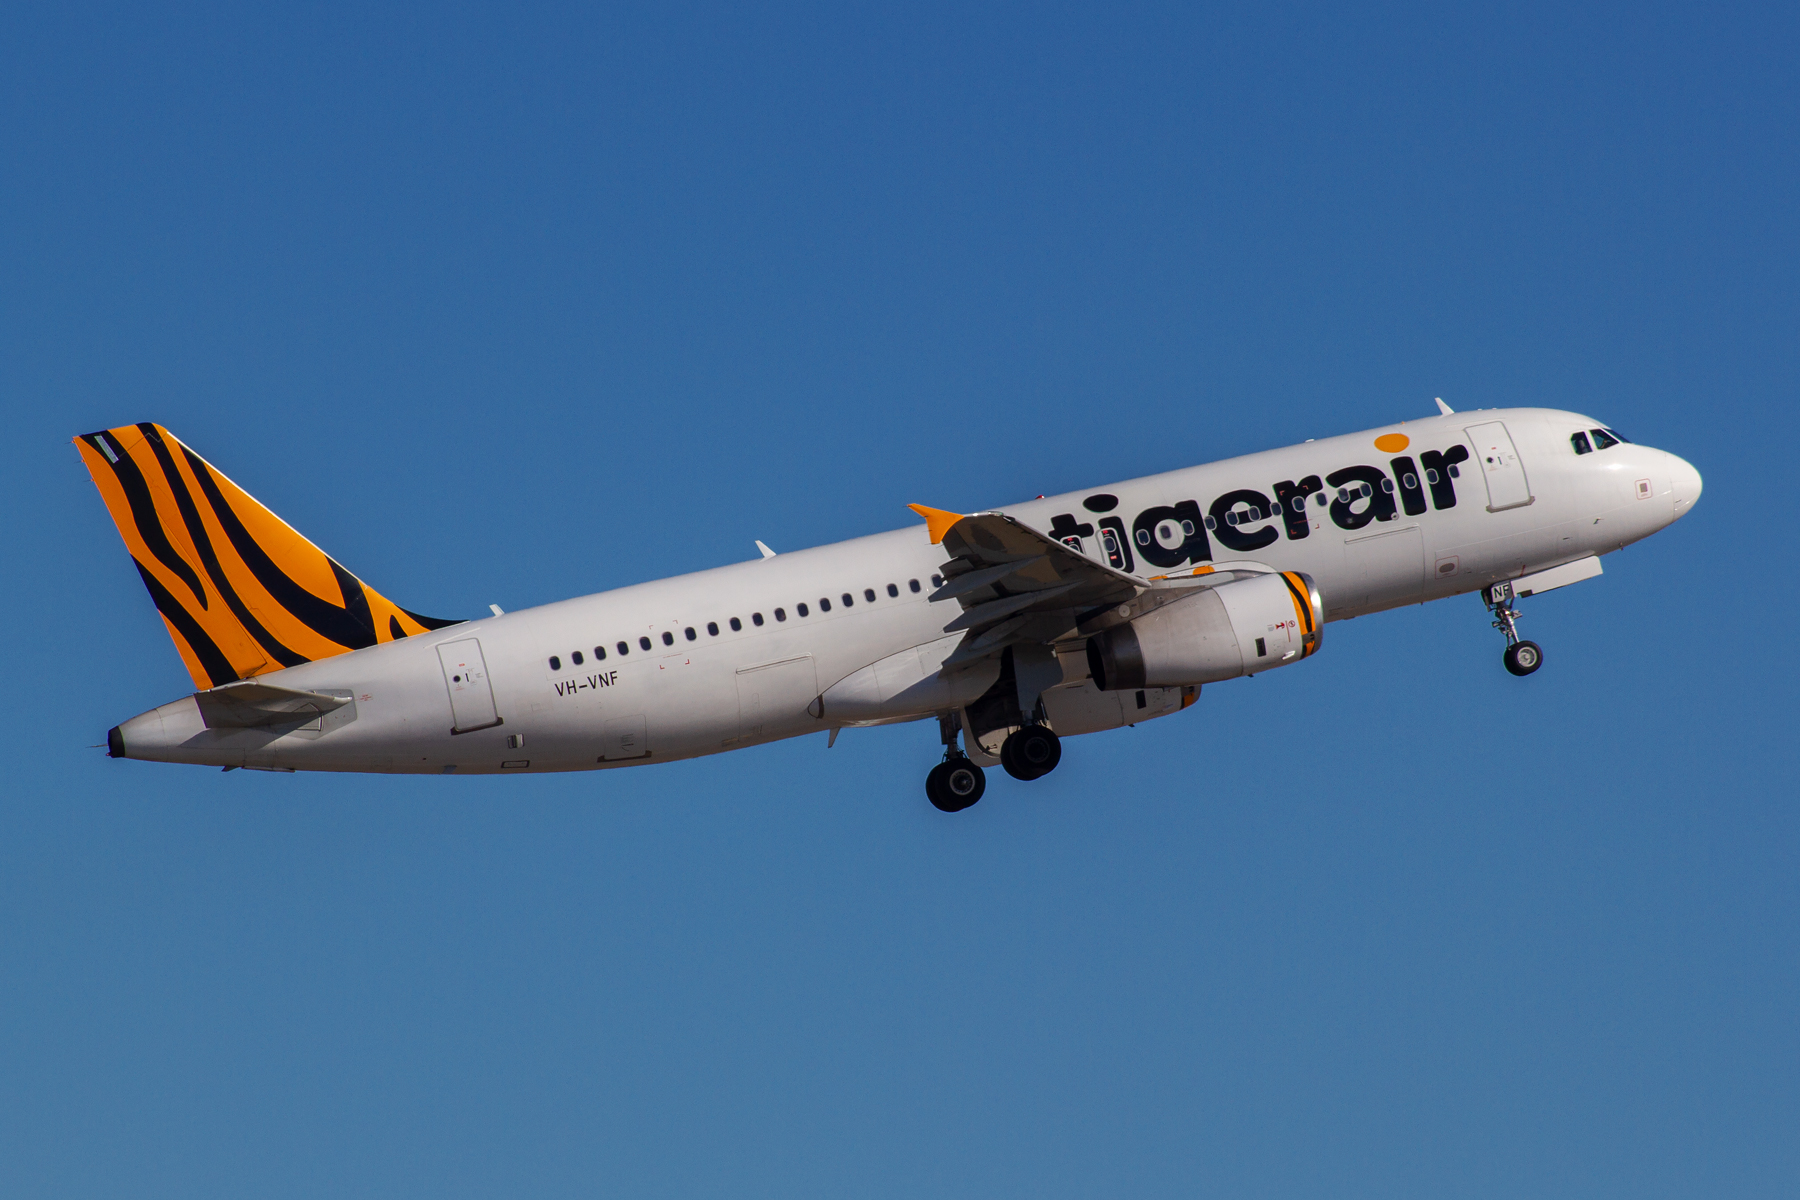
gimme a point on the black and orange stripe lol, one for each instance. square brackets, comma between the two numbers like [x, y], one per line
[1301, 592]
[242, 593]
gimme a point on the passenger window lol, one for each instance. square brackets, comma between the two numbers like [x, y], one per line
[1143, 537]
[575, 658]
[869, 595]
[781, 613]
[1187, 529]
[1454, 473]
[691, 635]
[849, 600]
[913, 584]
[893, 590]
[937, 581]
[599, 653]
[1579, 440]
[1211, 524]
[756, 618]
[712, 629]
[1323, 499]
[555, 663]
[1604, 440]
[1411, 481]
[802, 610]
[1431, 476]
[668, 638]
[1387, 485]
[644, 642]
[624, 648]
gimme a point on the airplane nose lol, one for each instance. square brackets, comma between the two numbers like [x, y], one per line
[1685, 483]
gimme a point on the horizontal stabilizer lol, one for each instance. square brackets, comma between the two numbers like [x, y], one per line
[251, 705]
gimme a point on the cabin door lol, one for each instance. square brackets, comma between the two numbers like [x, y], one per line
[1500, 466]
[471, 695]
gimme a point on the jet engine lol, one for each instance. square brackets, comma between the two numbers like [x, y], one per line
[1218, 632]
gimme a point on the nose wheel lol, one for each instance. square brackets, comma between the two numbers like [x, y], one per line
[1521, 657]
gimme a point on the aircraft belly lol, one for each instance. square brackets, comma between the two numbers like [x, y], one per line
[1383, 568]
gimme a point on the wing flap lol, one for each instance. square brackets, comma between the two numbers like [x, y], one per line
[1016, 584]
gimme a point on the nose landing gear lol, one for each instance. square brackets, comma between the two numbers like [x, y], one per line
[1521, 657]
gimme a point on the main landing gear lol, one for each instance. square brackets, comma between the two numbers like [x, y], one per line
[1521, 657]
[1031, 752]
[956, 783]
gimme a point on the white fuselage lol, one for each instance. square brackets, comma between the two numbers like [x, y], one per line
[695, 692]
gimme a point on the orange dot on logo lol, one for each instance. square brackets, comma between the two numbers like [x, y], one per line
[1392, 443]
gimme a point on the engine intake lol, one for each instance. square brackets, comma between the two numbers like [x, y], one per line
[1238, 628]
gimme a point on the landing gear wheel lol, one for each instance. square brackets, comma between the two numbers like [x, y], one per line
[1031, 753]
[1522, 658]
[955, 784]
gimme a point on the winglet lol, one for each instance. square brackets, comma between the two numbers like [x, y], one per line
[766, 552]
[1445, 408]
[937, 521]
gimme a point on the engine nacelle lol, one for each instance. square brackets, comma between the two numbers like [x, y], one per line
[1237, 628]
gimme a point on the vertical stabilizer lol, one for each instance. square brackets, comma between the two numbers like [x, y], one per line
[241, 592]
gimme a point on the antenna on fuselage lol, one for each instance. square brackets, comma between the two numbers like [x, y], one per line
[1445, 408]
[766, 552]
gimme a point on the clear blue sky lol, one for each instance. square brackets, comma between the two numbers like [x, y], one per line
[510, 303]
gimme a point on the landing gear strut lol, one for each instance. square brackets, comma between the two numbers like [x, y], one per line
[1521, 657]
[1030, 752]
[956, 783]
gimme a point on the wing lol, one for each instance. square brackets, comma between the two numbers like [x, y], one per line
[1016, 584]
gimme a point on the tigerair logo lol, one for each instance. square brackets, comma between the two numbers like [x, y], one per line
[1245, 520]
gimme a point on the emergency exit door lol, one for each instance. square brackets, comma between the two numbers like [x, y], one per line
[1500, 466]
[471, 695]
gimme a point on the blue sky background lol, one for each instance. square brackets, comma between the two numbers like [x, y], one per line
[510, 303]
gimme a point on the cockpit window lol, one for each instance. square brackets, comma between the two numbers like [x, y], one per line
[1618, 435]
[1580, 442]
[1604, 440]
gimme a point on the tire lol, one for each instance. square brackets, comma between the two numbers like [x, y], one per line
[1031, 753]
[1522, 658]
[955, 784]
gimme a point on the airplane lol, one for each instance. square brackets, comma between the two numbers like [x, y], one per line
[1012, 628]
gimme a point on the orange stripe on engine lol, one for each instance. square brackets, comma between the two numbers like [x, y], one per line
[1298, 593]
